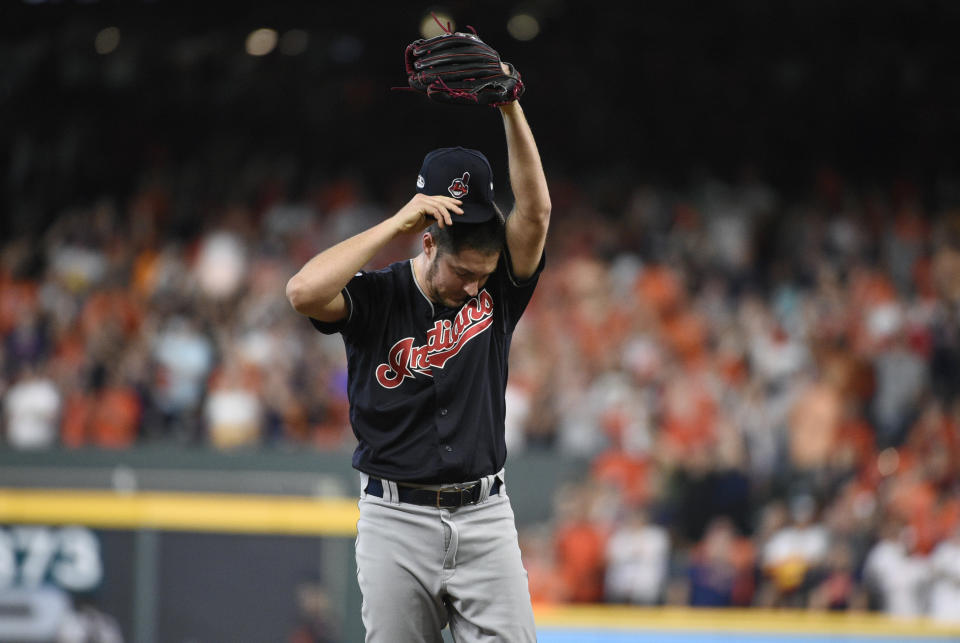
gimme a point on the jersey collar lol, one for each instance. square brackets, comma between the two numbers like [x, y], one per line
[413, 275]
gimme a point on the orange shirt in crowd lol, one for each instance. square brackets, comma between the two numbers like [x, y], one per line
[626, 472]
[74, 425]
[16, 298]
[857, 436]
[116, 417]
[116, 306]
[110, 419]
[689, 415]
[686, 334]
[581, 549]
[659, 288]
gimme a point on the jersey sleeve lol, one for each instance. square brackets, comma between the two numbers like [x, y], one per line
[516, 293]
[360, 294]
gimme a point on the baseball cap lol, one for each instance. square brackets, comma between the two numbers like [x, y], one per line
[462, 174]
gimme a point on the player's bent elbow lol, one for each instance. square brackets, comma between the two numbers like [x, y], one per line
[543, 214]
[540, 219]
[534, 215]
[296, 295]
[307, 302]
[539, 213]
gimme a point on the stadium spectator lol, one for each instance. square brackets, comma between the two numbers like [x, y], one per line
[896, 572]
[184, 356]
[637, 561]
[31, 410]
[835, 586]
[580, 543]
[945, 589]
[719, 570]
[232, 409]
[794, 555]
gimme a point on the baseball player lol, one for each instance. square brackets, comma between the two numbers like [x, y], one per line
[427, 341]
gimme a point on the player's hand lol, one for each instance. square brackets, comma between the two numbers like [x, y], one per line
[423, 210]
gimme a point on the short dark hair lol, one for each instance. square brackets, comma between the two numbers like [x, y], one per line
[489, 236]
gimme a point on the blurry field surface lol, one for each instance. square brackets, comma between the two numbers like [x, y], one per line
[599, 636]
[618, 624]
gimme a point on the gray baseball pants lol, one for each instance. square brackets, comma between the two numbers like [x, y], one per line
[420, 568]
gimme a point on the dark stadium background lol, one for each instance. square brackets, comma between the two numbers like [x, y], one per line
[657, 89]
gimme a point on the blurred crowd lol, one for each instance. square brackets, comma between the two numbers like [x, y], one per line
[767, 387]
[769, 392]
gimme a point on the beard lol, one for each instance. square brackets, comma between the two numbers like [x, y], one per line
[430, 278]
[433, 292]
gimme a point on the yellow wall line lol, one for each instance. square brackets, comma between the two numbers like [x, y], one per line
[254, 514]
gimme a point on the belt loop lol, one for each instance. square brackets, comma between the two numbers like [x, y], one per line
[503, 481]
[390, 492]
[486, 483]
[364, 480]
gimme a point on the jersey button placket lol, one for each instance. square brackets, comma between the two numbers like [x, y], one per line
[441, 387]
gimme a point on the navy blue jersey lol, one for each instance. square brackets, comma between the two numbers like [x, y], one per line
[426, 382]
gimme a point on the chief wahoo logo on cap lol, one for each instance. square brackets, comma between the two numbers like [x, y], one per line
[460, 186]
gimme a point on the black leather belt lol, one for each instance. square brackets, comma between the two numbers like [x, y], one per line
[446, 498]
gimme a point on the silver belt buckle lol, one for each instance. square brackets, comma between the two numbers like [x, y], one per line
[462, 489]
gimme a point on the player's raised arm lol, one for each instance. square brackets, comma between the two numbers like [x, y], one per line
[460, 68]
[315, 290]
[527, 223]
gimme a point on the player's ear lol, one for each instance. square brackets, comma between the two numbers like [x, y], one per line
[429, 244]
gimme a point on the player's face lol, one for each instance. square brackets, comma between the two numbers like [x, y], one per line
[455, 278]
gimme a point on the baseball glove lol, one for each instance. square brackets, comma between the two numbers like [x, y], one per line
[460, 68]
